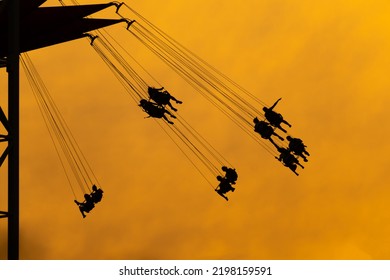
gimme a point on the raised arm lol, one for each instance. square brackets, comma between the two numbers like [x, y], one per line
[273, 106]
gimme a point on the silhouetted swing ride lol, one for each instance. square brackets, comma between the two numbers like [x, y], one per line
[72, 159]
[236, 103]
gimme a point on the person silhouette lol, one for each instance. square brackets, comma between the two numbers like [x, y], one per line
[86, 206]
[265, 130]
[274, 118]
[97, 194]
[155, 111]
[297, 147]
[230, 174]
[162, 97]
[288, 159]
[224, 187]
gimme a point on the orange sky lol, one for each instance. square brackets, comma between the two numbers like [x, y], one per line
[328, 60]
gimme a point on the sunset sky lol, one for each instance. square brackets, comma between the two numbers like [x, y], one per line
[330, 63]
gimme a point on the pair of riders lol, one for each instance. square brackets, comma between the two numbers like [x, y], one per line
[157, 108]
[90, 200]
[226, 182]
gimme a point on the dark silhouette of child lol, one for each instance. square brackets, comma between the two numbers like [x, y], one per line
[274, 118]
[224, 187]
[97, 194]
[162, 97]
[230, 174]
[265, 130]
[155, 111]
[288, 159]
[85, 206]
[297, 147]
